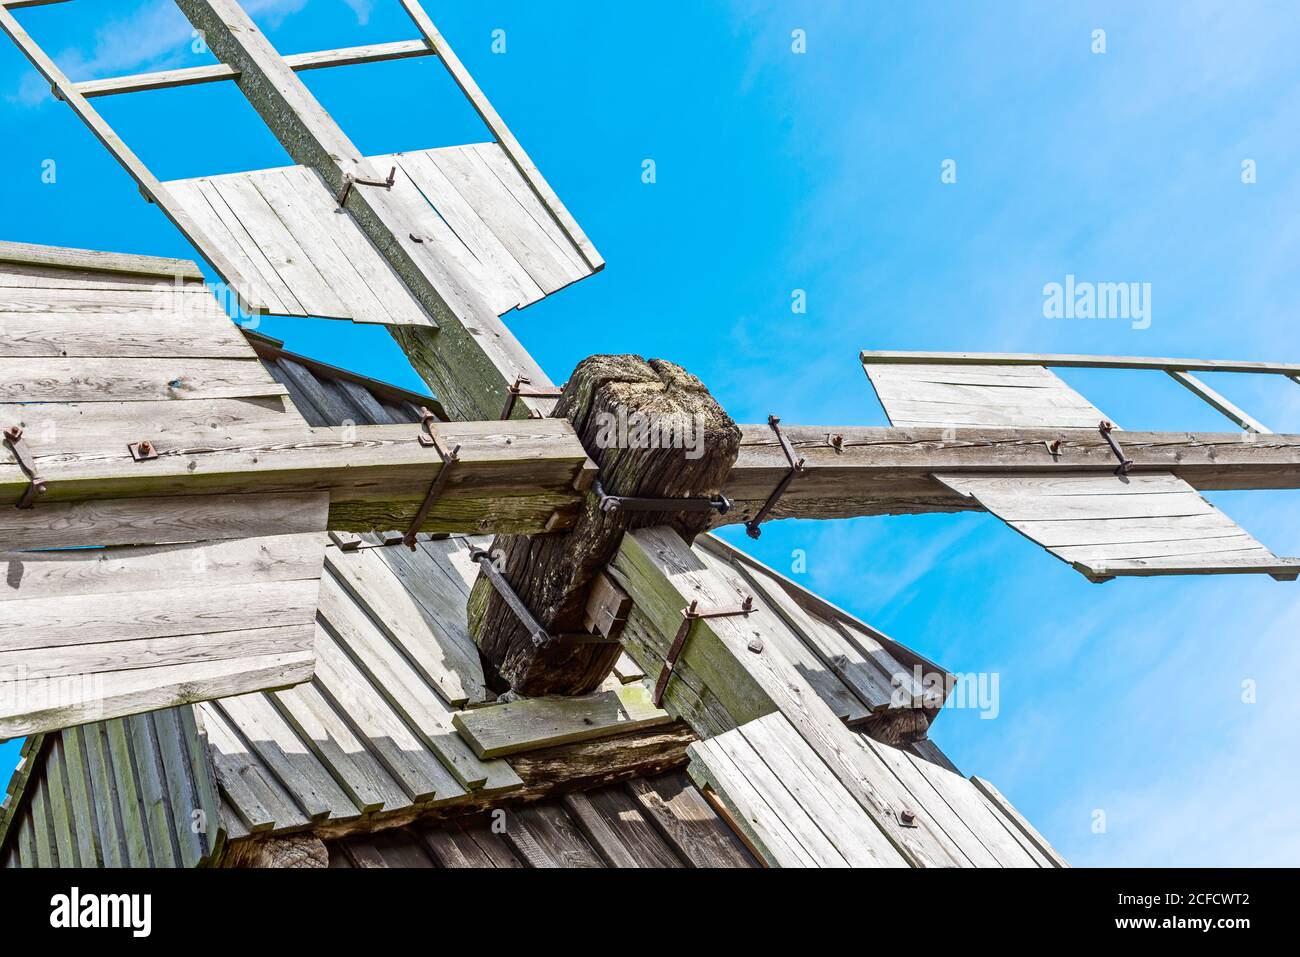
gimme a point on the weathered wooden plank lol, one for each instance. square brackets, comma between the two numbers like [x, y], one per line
[1243, 419]
[126, 786]
[152, 787]
[94, 260]
[338, 748]
[531, 723]
[687, 821]
[873, 358]
[1231, 563]
[502, 133]
[544, 836]
[772, 832]
[407, 693]
[663, 575]
[298, 62]
[260, 800]
[615, 826]
[60, 703]
[468, 844]
[397, 746]
[81, 798]
[25, 379]
[108, 816]
[417, 616]
[38, 806]
[826, 801]
[1017, 820]
[285, 755]
[64, 335]
[183, 786]
[61, 813]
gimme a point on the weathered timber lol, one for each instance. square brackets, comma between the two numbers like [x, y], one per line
[720, 667]
[868, 470]
[471, 358]
[296, 852]
[553, 575]
[523, 476]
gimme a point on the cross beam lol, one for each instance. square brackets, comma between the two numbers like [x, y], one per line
[859, 470]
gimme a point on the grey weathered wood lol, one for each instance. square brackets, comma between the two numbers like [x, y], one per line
[687, 822]
[117, 265]
[52, 379]
[1075, 361]
[154, 798]
[298, 62]
[545, 837]
[502, 133]
[1017, 820]
[61, 815]
[85, 814]
[260, 800]
[1243, 419]
[126, 786]
[531, 723]
[553, 575]
[473, 357]
[62, 335]
[108, 817]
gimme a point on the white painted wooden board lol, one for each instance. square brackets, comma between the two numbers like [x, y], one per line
[1108, 525]
[945, 396]
[304, 256]
[98, 633]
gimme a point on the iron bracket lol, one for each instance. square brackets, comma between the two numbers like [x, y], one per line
[541, 638]
[429, 439]
[628, 503]
[13, 438]
[691, 614]
[1125, 463]
[349, 181]
[518, 390]
[797, 468]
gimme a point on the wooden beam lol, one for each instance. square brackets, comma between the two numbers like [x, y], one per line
[472, 358]
[1220, 403]
[521, 477]
[1075, 361]
[553, 575]
[886, 471]
[489, 115]
[530, 724]
[150, 186]
[298, 62]
[93, 260]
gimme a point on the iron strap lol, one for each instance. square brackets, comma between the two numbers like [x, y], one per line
[1125, 463]
[349, 181]
[429, 439]
[691, 614]
[541, 638]
[13, 438]
[629, 503]
[518, 391]
[796, 469]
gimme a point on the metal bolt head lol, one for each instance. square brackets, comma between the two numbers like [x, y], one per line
[14, 433]
[907, 817]
[756, 645]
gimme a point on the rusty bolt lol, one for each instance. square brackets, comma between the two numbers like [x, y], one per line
[907, 817]
[145, 447]
[14, 433]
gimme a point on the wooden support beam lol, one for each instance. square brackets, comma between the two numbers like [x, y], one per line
[93, 260]
[472, 358]
[522, 477]
[887, 471]
[1059, 361]
[150, 186]
[1220, 403]
[298, 62]
[553, 575]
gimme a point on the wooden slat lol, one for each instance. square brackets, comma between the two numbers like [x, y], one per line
[81, 799]
[183, 785]
[468, 844]
[108, 817]
[405, 756]
[24, 379]
[417, 617]
[260, 800]
[126, 786]
[1017, 820]
[407, 693]
[114, 264]
[287, 757]
[617, 829]
[502, 133]
[338, 748]
[61, 811]
[873, 358]
[545, 837]
[688, 822]
[154, 797]
[299, 62]
[1243, 419]
[531, 723]
[148, 183]
[60, 335]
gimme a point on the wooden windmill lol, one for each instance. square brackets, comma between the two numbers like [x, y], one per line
[175, 480]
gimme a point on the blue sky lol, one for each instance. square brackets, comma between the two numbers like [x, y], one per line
[778, 171]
